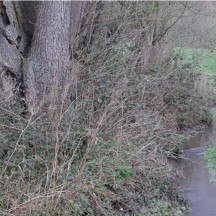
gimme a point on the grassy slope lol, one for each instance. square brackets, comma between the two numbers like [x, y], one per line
[98, 169]
[126, 171]
[210, 158]
[206, 59]
[210, 155]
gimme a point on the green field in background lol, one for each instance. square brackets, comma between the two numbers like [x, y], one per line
[205, 59]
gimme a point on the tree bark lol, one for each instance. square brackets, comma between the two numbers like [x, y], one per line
[36, 42]
[47, 67]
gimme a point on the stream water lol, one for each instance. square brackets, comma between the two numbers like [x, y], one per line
[196, 186]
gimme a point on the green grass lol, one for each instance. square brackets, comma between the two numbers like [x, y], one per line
[210, 158]
[204, 59]
[213, 113]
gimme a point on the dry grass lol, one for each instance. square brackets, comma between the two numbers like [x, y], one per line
[94, 158]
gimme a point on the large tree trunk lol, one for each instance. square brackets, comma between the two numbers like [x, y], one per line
[47, 67]
[39, 54]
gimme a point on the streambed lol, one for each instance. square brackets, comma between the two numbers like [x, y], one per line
[196, 186]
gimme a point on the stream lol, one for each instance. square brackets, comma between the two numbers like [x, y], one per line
[196, 186]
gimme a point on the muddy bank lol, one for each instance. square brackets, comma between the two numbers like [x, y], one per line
[196, 186]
